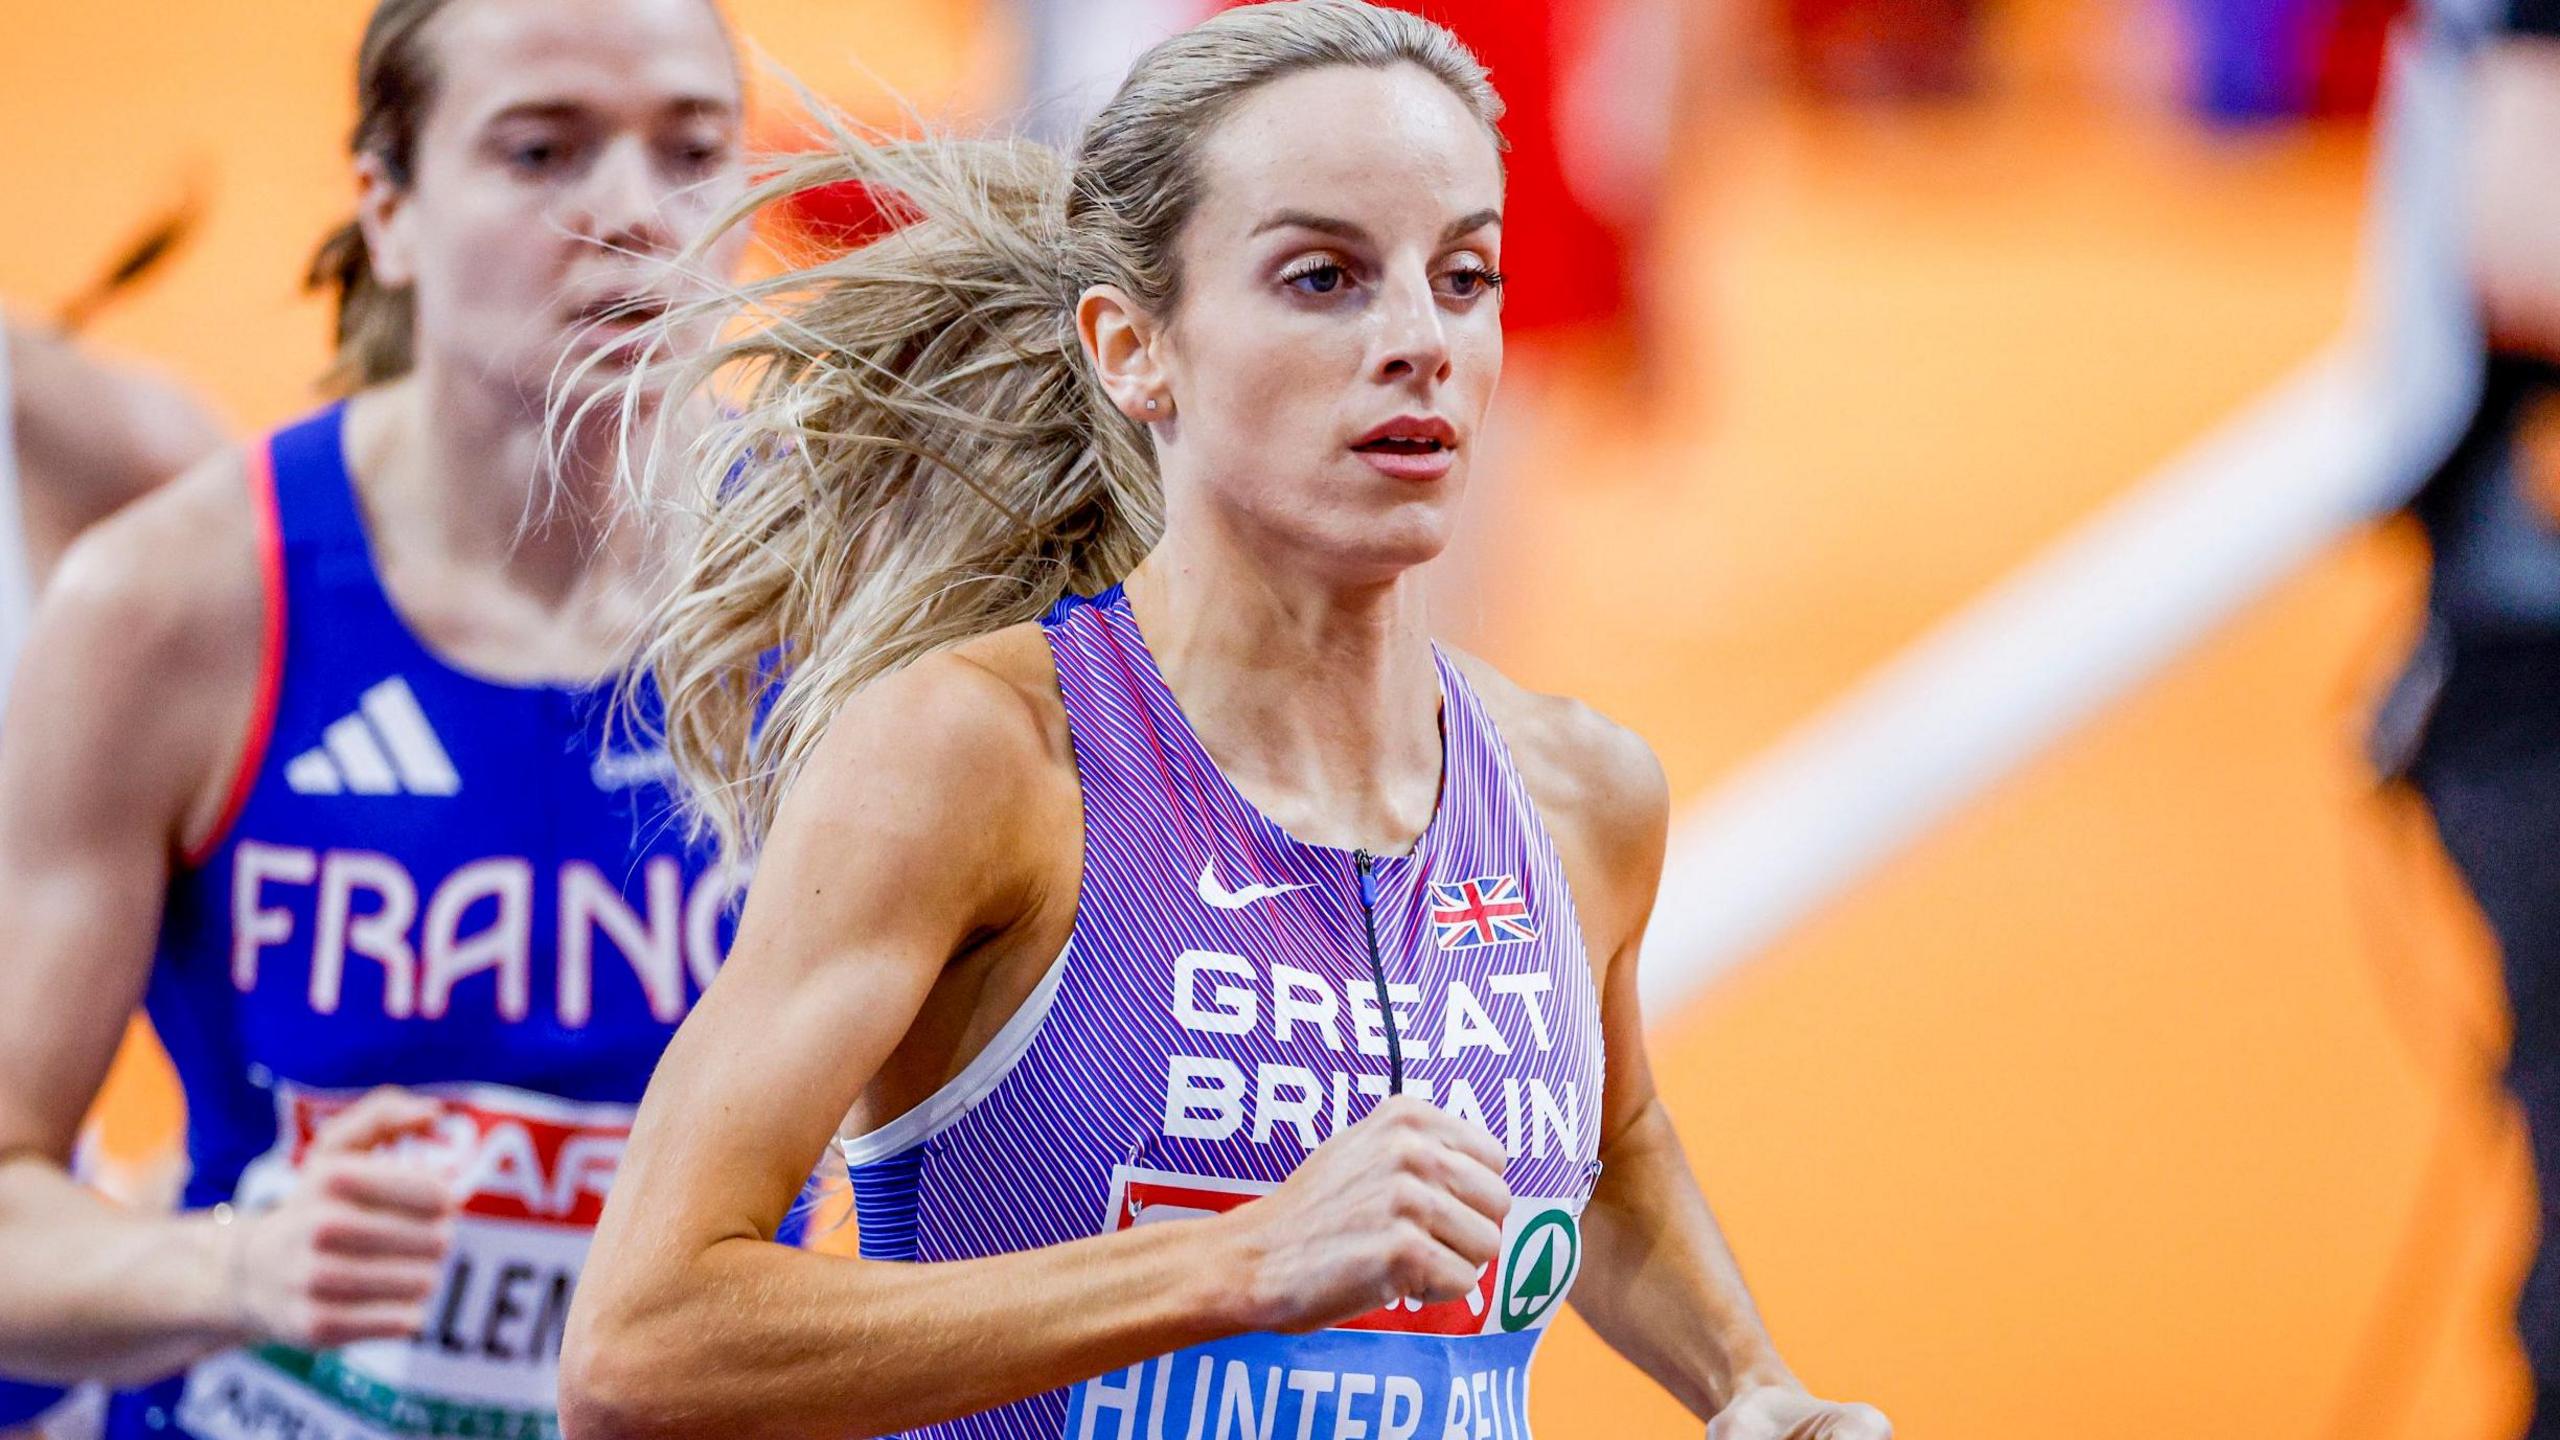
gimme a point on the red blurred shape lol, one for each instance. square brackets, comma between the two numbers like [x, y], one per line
[827, 219]
[2348, 79]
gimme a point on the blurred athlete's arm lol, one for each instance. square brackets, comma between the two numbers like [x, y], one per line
[2515, 192]
[937, 827]
[92, 435]
[1658, 1281]
[124, 726]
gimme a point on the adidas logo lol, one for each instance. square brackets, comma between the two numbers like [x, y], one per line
[385, 748]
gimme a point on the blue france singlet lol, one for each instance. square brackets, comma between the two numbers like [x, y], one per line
[434, 880]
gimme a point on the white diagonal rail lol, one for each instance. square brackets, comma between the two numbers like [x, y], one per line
[2343, 439]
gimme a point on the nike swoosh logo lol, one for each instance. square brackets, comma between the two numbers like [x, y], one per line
[1215, 894]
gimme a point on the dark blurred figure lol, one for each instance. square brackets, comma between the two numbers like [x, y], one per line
[2474, 720]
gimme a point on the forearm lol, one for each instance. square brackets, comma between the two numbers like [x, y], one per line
[93, 435]
[752, 1338]
[2515, 204]
[1660, 1284]
[89, 1291]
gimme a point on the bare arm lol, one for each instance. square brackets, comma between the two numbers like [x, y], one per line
[134, 690]
[2515, 193]
[1662, 1287]
[96, 781]
[92, 436]
[1659, 1283]
[935, 821]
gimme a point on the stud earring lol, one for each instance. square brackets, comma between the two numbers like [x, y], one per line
[1155, 404]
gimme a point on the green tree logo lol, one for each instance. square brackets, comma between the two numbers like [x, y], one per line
[1539, 1269]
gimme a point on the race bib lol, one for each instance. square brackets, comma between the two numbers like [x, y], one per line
[1447, 1370]
[531, 1172]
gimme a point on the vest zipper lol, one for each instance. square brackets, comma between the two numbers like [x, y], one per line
[1366, 864]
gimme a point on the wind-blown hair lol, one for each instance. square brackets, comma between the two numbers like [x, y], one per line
[915, 450]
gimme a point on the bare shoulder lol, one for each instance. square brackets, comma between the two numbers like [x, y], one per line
[1013, 669]
[951, 781]
[146, 652]
[959, 744]
[988, 704]
[1599, 789]
[1579, 764]
[174, 580]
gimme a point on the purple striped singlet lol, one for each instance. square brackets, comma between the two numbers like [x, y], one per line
[1214, 1016]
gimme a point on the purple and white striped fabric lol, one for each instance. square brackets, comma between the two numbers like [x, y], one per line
[1213, 1019]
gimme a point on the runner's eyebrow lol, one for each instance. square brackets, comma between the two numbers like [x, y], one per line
[1351, 230]
[1309, 220]
[685, 107]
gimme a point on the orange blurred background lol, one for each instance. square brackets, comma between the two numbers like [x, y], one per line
[2150, 1097]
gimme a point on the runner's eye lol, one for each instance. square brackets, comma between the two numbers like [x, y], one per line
[1315, 275]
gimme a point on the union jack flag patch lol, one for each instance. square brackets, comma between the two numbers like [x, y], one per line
[1487, 910]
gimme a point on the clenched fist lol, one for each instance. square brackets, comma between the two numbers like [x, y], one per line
[356, 1250]
[1407, 1203]
[1782, 1412]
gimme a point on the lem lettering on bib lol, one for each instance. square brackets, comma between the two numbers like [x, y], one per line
[531, 1172]
[425, 877]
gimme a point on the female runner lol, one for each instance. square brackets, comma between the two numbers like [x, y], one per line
[308, 754]
[1138, 913]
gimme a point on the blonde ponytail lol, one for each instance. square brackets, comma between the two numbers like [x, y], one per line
[915, 450]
